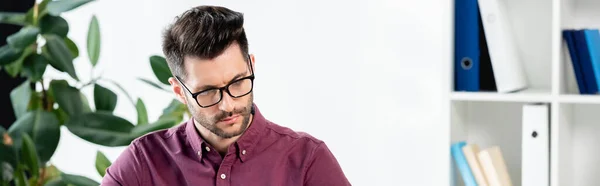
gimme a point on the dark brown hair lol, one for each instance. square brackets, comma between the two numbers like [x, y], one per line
[203, 32]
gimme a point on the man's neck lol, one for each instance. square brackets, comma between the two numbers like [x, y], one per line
[217, 142]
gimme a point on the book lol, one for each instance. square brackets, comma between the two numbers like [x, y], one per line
[494, 167]
[471, 151]
[461, 163]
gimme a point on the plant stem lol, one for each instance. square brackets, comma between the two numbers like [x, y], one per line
[42, 177]
[35, 13]
[93, 81]
[45, 102]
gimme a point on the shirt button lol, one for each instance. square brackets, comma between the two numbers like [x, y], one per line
[244, 152]
[207, 149]
[199, 153]
[223, 176]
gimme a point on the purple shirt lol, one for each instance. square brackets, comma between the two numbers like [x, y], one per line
[266, 154]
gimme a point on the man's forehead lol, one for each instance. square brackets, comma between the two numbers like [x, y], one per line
[217, 71]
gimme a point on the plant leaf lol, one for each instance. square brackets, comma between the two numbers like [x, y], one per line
[61, 56]
[156, 85]
[85, 104]
[160, 69]
[61, 115]
[29, 19]
[104, 98]
[102, 163]
[20, 176]
[56, 182]
[78, 180]
[140, 107]
[13, 18]
[32, 180]
[35, 102]
[51, 173]
[30, 156]
[164, 123]
[93, 41]
[43, 8]
[43, 127]
[6, 171]
[22, 39]
[54, 25]
[14, 68]
[19, 97]
[72, 47]
[122, 90]
[57, 7]
[175, 110]
[8, 157]
[101, 128]
[67, 97]
[9, 54]
[34, 67]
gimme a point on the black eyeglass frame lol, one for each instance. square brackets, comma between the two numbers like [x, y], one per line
[224, 88]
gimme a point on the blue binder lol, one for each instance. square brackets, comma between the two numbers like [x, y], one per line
[585, 61]
[462, 163]
[466, 46]
[592, 37]
[569, 39]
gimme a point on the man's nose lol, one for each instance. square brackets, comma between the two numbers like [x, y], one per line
[226, 103]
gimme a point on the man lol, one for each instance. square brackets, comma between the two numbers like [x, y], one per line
[227, 141]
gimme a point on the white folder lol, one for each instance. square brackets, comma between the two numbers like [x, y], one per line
[504, 56]
[535, 160]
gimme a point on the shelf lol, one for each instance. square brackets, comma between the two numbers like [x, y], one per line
[528, 95]
[581, 99]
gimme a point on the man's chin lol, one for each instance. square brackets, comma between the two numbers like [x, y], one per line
[231, 130]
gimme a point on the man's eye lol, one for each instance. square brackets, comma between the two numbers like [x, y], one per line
[237, 83]
[206, 93]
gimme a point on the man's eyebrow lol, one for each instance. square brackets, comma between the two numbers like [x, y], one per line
[206, 87]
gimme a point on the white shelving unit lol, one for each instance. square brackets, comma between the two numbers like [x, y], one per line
[489, 118]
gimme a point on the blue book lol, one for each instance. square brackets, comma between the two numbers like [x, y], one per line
[585, 61]
[569, 39]
[592, 37]
[466, 46]
[462, 163]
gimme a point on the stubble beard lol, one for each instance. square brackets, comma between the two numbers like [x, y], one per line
[209, 122]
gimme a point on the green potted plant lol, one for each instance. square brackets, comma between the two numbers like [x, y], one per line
[42, 106]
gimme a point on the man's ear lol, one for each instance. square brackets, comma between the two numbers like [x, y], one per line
[178, 90]
[253, 62]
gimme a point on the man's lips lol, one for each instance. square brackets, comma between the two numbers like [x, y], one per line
[230, 119]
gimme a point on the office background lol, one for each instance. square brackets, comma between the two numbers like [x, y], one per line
[366, 77]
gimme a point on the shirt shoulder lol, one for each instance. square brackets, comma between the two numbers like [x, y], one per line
[169, 138]
[285, 134]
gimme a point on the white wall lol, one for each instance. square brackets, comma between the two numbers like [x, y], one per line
[364, 76]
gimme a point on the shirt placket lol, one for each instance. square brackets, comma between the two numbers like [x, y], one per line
[224, 174]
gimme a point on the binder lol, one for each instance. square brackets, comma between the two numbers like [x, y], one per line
[508, 70]
[487, 82]
[569, 39]
[466, 45]
[585, 61]
[592, 38]
[462, 164]
[535, 147]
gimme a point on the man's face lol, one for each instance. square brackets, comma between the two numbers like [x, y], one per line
[231, 116]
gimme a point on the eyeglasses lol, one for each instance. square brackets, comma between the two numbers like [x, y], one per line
[236, 89]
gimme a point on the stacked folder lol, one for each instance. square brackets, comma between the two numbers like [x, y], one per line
[584, 51]
[480, 167]
[485, 56]
[487, 167]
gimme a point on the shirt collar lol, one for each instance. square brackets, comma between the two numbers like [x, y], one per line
[245, 144]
